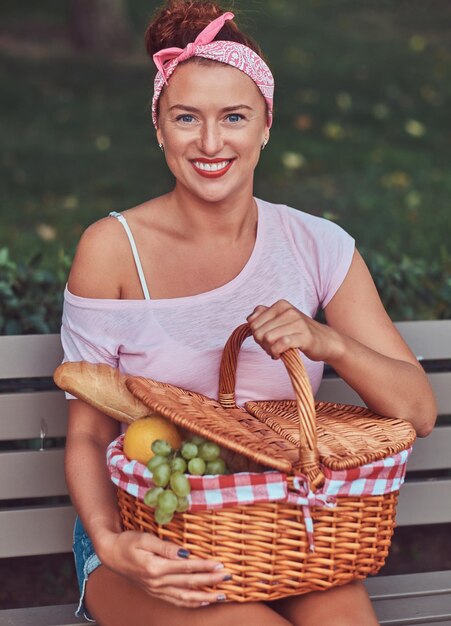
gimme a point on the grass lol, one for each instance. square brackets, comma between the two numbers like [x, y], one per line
[362, 130]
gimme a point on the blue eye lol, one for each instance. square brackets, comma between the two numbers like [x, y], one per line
[235, 117]
[186, 118]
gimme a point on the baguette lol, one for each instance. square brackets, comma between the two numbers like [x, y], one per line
[103, 387]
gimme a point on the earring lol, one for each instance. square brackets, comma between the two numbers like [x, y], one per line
[265, 141]
[160, 145]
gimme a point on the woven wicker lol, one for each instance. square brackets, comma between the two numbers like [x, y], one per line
[265, 546]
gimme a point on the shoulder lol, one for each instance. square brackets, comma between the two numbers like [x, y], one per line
[304, 227]
[95, 271]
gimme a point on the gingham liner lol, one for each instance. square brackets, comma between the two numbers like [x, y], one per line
[216, 492]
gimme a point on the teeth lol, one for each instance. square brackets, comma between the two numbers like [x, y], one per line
[211, 167]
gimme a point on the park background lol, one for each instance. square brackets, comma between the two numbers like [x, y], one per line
[361, 136]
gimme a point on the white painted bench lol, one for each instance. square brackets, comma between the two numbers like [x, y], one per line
[27, 528]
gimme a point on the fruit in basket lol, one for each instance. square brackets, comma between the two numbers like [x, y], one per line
[178, 465]
[169, 466]
[155, 461]
[151, 497]
[209, 451]
[142, 433]
[180, 484]
[197, 466]
[217, 466]
[162, 475]
[162, 518]
[167, 501]
[182, 504]
[189, 450]
[161, 447]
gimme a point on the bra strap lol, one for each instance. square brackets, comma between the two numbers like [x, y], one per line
[131, 239]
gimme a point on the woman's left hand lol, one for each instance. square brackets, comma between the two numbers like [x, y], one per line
[281, 326]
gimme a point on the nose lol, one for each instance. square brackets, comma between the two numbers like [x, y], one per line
[211, 139]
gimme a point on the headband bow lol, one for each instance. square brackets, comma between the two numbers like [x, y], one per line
[205, 37]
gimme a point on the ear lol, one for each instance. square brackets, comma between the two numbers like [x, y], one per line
[265, 138]
[159, 137]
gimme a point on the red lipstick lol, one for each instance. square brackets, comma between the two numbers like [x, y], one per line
[213, 169]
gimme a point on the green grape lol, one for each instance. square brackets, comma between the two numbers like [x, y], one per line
[162, 474]
[209, 451]
[180, 484]
[161, 447]
[155, 461]
[178, 465]
[197, 440]
[189, 450]
[167, 501]
[182, 504]
[151, 497]
[162, 517]
[196, 466]
[217, 466]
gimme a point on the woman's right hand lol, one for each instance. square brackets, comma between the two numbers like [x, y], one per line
[161, 568]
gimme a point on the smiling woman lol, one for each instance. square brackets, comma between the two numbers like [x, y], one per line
[212, 121]
[160, 298]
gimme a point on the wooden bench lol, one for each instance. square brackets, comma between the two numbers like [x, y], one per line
[32, 410]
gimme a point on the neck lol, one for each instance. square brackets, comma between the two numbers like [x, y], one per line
[201, 220]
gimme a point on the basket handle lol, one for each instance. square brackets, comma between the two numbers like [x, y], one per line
[308, 451]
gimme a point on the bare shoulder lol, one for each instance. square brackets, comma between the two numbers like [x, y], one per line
[96, 269]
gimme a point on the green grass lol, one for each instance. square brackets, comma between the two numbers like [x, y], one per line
[362, 131]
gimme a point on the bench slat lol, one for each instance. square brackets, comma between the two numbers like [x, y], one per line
[30, 356]
[441, 384]
[432, 452]
[32, 474]
[428, 611]
[21, 414]
[31, 531]
[408, 599]
[401, 585]
[336, 390]
[424, 502]
[427, 339]
[62, 615]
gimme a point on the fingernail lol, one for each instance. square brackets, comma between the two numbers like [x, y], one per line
[227, 577]
[205, 603]
[219, 566]
[221, 598]
[183, 554]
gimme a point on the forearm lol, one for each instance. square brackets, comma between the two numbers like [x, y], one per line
[388, 386]
[90, 488]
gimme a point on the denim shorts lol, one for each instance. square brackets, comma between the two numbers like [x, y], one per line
[86, 561]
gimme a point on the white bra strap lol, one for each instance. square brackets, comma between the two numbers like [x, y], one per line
[131, 239]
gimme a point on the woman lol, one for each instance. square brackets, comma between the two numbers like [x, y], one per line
[211, 255]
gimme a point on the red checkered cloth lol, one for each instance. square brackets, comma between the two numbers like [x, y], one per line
[207, 492]
[216, 492]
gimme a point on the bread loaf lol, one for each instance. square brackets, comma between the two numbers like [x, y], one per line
[101, 386]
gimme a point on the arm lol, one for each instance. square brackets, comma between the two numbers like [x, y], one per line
[154, 565]
[360, 342]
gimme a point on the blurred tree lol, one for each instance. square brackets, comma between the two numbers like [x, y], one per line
[100, 26]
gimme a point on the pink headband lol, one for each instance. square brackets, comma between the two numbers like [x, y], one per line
[229, 52]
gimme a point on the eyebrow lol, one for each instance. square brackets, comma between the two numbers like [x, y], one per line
[185, 107]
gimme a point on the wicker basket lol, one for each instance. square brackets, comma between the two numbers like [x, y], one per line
[266, 546]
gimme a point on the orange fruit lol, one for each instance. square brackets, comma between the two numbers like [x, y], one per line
[140, 435]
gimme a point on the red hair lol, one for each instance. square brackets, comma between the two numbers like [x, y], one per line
[180, 21]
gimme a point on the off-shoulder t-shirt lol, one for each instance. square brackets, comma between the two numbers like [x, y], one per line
[296, 257]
